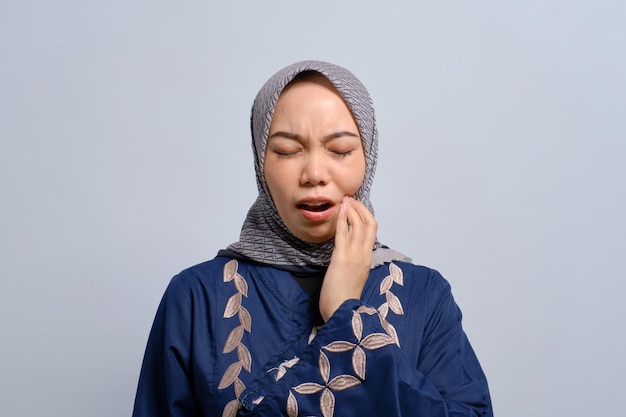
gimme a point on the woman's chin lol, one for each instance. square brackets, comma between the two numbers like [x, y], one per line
[316, 236]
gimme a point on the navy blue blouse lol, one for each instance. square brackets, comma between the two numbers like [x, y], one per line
[233, 338]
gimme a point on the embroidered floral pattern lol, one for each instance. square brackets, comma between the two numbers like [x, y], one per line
[282, 368]
[233, 341]
[372, 341]
[327, 398]
[341, 382]
[392, 302]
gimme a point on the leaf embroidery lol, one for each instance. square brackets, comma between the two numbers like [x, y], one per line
[396, 272]
[308, 388]
[233, 339]
[230, 410]
[245, 319]
[324, 366]
[358, 362]
[357, 325]
[327, 403]
[391, 331]
[291, 362]
[280, 373]
[282, 368]
[230, 269]
[314, 331]
[239, 387]
[244, 356]
[241, 285]
[376, 341]
[366, 309]
[386, 284]
[232, 306]
[341, 382]
[394, 303]
[292, 406]
[231, 373]
[383, 310]
[339, 346]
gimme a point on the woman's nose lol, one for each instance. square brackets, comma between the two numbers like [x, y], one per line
[314, 169]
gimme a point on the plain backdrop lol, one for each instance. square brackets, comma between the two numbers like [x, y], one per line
[125, 158]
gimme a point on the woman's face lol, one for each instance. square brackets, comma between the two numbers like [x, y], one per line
[313, 158]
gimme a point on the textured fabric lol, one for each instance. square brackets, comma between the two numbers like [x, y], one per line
[264, 236]
[232, 338]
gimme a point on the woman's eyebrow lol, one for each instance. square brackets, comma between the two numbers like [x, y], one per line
[285, 135]
[326, 138]
[339, 135]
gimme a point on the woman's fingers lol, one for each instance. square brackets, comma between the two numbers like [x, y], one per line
[342, 228]
[351, 261]
[362, 225]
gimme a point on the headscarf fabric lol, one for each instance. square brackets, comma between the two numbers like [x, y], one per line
[264, 237]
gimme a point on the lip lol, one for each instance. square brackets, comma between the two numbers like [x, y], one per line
[316, 216]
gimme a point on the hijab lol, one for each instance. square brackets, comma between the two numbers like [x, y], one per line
[264, 237]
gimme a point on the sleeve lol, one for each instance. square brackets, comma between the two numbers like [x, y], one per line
[165, 388]
[447, 360]
[355, 367]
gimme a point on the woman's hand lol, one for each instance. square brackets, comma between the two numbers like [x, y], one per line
[352, 258]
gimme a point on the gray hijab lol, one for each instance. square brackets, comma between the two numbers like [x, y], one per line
[264, 237]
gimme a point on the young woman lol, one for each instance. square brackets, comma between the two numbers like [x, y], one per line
[308, 314]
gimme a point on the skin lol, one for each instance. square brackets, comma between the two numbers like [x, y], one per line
[314, 154]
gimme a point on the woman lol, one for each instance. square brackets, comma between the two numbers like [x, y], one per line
[307, 314]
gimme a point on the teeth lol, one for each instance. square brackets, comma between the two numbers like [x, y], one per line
[315, 206]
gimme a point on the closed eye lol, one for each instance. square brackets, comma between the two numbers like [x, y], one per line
[343, 154]
[283, 154]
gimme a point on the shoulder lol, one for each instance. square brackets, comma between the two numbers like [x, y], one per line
[416, 286]
[200, 292]
[205, 269]
[409, 274]
[204, 277]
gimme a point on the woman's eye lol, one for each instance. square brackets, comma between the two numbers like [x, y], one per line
[286, 153]
[342, 153]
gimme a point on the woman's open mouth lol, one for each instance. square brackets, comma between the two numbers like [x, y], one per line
[316, 211]
[314, 206]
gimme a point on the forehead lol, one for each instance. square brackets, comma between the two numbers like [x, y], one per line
[310, 78]
[313, 93]
[312, 108]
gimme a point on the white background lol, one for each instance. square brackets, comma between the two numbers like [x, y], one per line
[125, 157]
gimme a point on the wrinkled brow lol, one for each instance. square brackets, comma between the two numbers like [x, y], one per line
[326, 138]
